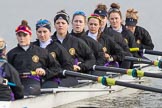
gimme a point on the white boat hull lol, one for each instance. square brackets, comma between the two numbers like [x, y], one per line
[61, 98]
[57, 99]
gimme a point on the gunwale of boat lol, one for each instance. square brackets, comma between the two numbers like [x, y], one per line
[61, 98]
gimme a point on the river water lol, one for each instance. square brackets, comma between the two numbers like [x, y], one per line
[127, 98]
[150, 17]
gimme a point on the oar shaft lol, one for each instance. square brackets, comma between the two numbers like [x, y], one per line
[110, 69]
[141, 87]
[110, 81]
[132, 72]
[128, 58]
[82, 75]
[145, 51]
[154, 75]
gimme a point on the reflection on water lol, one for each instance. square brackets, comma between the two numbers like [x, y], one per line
[124, 99]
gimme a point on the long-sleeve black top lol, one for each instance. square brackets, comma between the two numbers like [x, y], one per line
[59, 53]
[34, 57]
[79, 50]
[144, 37]
[8, 72]
[94, 45]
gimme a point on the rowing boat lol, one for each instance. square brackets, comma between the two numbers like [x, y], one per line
[61, 96]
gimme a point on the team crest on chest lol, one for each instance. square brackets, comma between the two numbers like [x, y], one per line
[104, 49]
[138, 41]
[53, 54]
[126, 40]
[35, 58]
[72, 51]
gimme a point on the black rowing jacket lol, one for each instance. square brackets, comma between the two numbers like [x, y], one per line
[111, 47]
[117, 37]
[34, 57]
[8, 93]
[29, 60]
[79, 51]
[94, 45]
[59, 53]
[143, 38]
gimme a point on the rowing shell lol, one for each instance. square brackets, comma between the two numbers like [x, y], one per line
[61, 96]
[64, 97]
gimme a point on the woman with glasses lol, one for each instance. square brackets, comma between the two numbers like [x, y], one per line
[9, 78]
[58, 52]
[28, 58]
[115, 19]
[82, 55]
[142, 36]
[101, 10]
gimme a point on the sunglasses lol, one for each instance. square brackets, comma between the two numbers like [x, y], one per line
[42, 23]
[79, 13]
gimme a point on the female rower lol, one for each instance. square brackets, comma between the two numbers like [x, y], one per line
[142, 36]
[101, 10]
[43, 31]
[82, 55]
[10, 84]
[78, 25]
[27, 58]
[115, 19]
[111, 49]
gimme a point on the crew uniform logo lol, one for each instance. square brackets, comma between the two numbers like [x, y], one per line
[72, 51]
[53, 54]
[104, 49]
[126, 40]
[35, 59]
[138, 41]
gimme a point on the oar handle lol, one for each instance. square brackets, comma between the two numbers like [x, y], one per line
[134, 49]
[11, 84]
[146, 51]
[28, 73]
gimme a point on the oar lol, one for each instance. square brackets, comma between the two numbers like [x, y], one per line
[109, 81]
[55, 90]
[6, 82]
[28, 73]
[145, 51]
[131, 72]
[155, 63]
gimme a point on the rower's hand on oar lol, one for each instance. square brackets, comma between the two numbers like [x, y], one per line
[40, 71]
[76, 68]
[107, 56]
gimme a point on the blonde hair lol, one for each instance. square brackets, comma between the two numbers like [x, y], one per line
[2, 43]
[132, 13]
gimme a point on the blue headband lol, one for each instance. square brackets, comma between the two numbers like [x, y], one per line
[43, 23]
